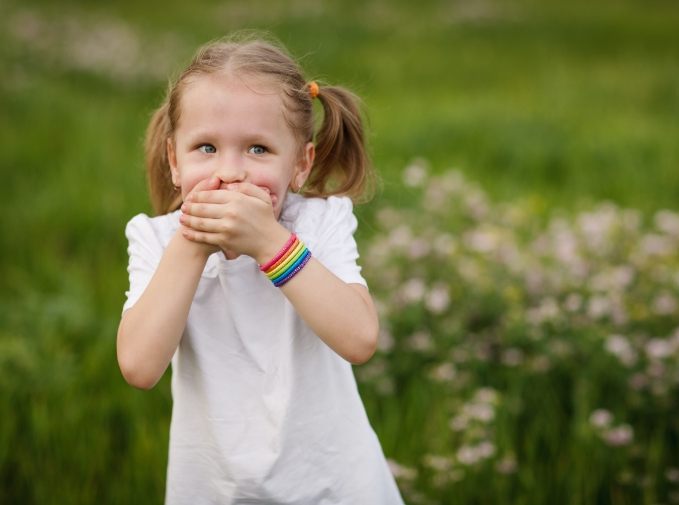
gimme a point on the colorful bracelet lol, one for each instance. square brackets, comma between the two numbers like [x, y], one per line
[293, 256]
[279, 255]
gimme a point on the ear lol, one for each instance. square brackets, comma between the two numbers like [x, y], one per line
[172, 160]
[303, 168]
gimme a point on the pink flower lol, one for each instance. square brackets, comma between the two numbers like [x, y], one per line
[619, 436]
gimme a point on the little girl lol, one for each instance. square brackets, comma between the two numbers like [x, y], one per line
[247, 282]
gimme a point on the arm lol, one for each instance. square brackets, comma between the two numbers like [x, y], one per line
[150, 331]
[342, 315]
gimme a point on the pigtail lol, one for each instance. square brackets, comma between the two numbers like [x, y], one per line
[164, 196]
[342, 166]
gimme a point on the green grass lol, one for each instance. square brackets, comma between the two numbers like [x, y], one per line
[559, 104]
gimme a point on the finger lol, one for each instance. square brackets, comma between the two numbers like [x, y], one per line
[209, 210]
[203, 224]
[200, 236]
[248, 189]
[210, 183]
[213, 196]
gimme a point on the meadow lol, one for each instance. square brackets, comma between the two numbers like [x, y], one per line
[523, 247]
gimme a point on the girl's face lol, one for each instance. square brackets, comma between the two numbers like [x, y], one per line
[228, 130]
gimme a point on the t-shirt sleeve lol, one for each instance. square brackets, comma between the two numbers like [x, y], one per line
[145, 251]
[336, 247]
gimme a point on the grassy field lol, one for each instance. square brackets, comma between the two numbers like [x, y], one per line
[551, 107]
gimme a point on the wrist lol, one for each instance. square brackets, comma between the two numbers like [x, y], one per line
[287, 263]
[196, 250]
[273, 244]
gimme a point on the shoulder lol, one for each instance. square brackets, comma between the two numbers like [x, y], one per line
[157, 229]
[316, 216]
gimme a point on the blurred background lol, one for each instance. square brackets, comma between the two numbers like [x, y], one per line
[523, 246]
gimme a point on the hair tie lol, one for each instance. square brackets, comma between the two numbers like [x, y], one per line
[314, 89]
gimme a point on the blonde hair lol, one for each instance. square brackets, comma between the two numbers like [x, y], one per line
[341, 165]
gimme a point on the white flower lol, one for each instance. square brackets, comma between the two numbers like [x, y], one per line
[619, 436]
[438, 463]
[672, 474]
[467, 455]
[597, 225]
[401, 236]
[482, 241]
[512, 356]
[664, 304]
[573, 302]
[421, 341]
[480, 411]
[418, 248]
[476, 204]
[566, 246]
[598, 307]
[620, 347]
[601, 418]
[506, 465]
[656, 245]
[659, 348]
[486, 395]
[415, 174]
[667, 222]
[445, 372]
[638, 381]
[470, 455]
[615, 279]
[452, 182]
[486, 449]
[437, 299]
[401, 471]
[459, 423]
[413, 290]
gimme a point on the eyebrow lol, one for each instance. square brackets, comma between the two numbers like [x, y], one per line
[247, 137]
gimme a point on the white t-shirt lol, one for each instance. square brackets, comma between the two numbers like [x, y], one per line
[264, 412]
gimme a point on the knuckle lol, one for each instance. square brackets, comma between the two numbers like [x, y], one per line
[225, 227]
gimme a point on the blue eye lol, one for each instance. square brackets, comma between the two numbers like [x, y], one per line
[257, 149]
[207, 149]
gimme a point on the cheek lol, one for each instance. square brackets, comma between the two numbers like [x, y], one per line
[189, 181]
[277, 186]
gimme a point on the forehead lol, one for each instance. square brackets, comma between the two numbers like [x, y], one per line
[217, 99]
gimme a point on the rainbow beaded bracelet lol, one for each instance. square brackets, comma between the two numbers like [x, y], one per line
[293, 256]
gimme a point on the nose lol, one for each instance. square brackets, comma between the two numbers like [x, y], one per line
[231, 169]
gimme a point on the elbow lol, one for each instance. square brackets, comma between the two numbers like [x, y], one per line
[134, 370]
[136, 375]
[366, 345]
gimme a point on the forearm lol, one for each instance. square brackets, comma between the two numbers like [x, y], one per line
[342, 315]
[150, 331]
